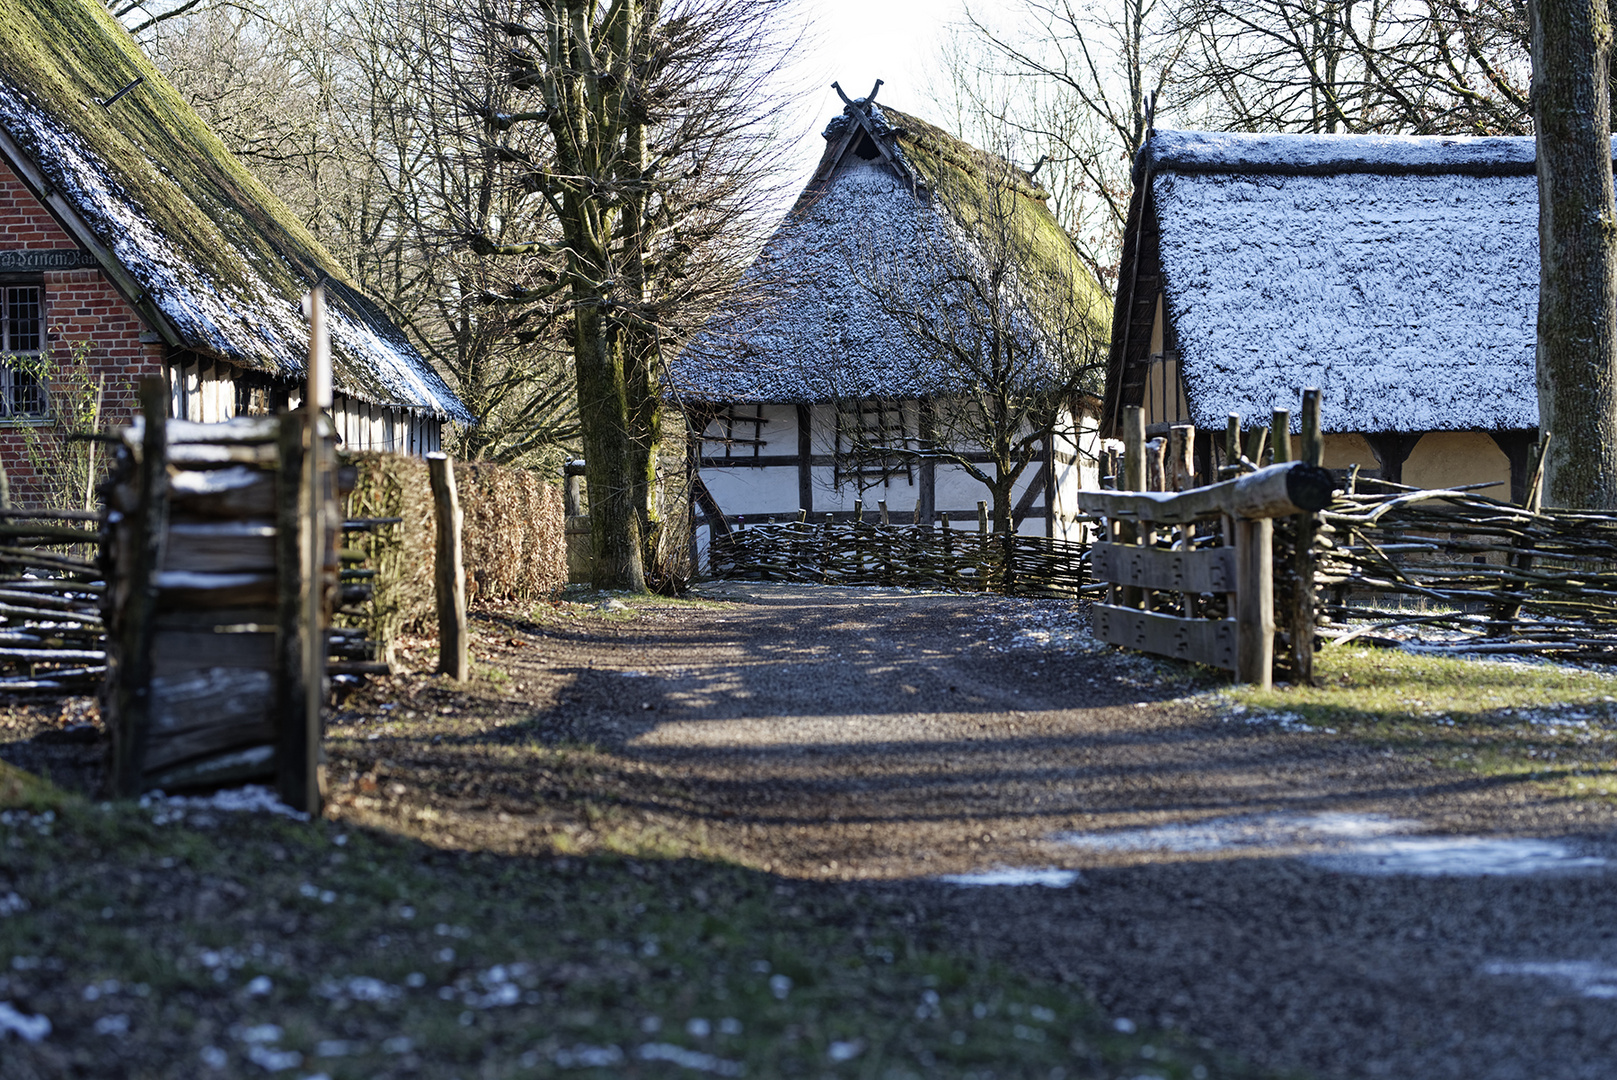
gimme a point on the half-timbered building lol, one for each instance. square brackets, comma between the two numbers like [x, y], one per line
[133, 243]
[1397, 274]
[806, 391]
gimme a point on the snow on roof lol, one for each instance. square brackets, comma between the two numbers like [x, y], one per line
[212, 251]
[803, 327]
[1408, 297]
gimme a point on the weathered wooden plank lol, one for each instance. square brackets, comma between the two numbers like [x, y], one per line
[176, 651]
[183, 588]
[235, 492]
[218, 547]
[1206, 570]
[1203, 641]
[234, 767]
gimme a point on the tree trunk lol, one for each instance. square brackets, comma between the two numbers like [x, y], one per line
[610, 453]
[1577, 303]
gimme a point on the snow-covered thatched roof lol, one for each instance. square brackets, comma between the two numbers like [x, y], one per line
[893, 198]
[1398, 274]
[214, 262]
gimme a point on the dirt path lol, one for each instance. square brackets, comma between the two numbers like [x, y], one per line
[887, 740]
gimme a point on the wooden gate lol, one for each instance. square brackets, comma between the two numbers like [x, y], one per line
[1192, 573]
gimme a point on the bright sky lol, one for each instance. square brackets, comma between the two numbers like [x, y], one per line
[856, 42]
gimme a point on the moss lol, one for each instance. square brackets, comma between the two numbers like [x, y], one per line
[972, 181]
[23, 790]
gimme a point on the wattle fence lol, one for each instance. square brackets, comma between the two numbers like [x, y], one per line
[860, 552]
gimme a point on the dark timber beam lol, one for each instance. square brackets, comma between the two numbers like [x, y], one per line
[1392, 449]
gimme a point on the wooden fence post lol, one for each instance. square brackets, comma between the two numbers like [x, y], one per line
[1232, 448]
[305, 486]
[1280, 432]
[1256, 441]
[1181, 457]
[1302, 618]
[1254, 601]
[134, 686]
[1156, 465]
[1129, 532]
[450, 576]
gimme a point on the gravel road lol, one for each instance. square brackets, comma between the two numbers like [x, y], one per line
[1296, 897]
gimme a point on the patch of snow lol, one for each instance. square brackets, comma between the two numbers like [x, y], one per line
[845, 1051]
[1458, 856]
[1050, 878]
[25, 1027]
[249, 799]
[584, 1056]
[688, 1059]
[1587, 977]
[1223, 834]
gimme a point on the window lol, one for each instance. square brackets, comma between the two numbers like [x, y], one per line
[21, 338]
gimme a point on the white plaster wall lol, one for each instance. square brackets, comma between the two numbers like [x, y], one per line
[1343, 450]
[1447, 459]
[754, 493]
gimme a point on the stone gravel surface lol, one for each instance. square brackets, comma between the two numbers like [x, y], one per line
[886, 739]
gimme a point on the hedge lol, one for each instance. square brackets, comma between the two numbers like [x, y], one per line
[513, 543]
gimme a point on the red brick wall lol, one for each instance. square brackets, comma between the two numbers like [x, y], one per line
[81, 306]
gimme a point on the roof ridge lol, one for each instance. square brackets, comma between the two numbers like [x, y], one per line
[1287, 154]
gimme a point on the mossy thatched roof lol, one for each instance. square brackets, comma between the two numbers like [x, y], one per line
[892, 188]
[212, 259]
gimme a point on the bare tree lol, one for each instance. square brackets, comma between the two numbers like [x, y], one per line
[658, 119]
[1070, 79]
[1406, 66]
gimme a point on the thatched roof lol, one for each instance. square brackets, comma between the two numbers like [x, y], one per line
[214, 262]
[1397, 274]
[892, 190]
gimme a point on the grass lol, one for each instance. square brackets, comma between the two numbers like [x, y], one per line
[1549, 724]
[197, 943]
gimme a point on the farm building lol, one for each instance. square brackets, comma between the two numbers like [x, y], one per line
[1397, 274]
[132, 243]
[811, 390]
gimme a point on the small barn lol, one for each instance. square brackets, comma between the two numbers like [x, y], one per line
[1397, 274]
[805, 365]
[132, 243]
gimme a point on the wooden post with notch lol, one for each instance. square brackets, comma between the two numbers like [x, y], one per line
[133, 687]
[450, 572]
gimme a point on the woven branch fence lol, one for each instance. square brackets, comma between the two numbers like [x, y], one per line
[866, 553]
[1486, 576]
[52, 635]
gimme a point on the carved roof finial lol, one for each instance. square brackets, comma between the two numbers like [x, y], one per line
[863, 104]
